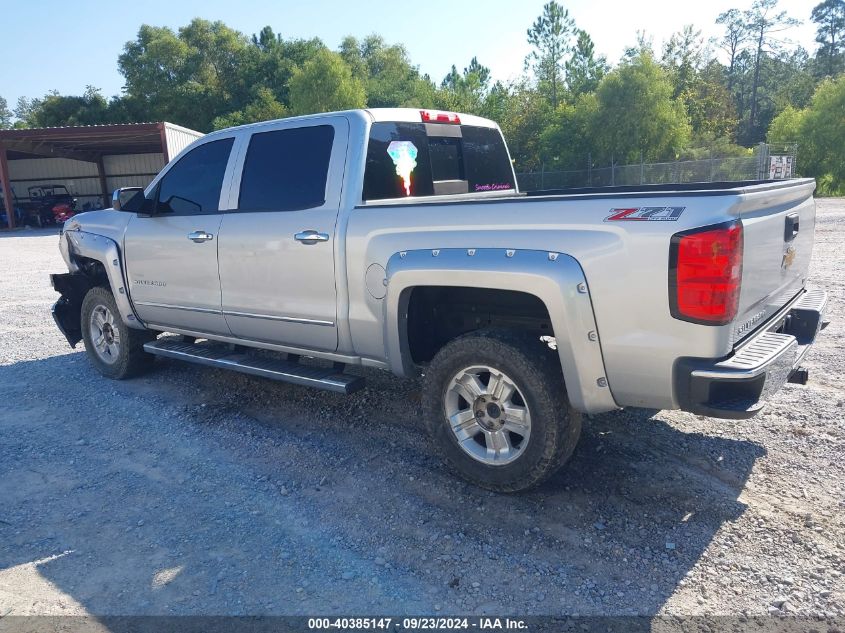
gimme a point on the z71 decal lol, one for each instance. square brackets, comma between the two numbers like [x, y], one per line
[645, 214]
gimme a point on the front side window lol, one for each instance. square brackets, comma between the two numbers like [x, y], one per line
[192, 186]
[287, 170]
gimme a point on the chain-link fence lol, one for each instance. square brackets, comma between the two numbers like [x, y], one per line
[766, 161]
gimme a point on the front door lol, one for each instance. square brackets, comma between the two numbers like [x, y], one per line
[277, 249]
[171, 255]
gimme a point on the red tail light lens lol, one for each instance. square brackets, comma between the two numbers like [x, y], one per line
[436, 116]
[705, 274]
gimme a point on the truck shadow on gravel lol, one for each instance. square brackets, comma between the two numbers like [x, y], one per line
[194, 491]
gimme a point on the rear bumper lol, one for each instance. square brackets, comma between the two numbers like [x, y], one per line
[739, 385]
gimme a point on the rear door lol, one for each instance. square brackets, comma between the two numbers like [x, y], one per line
[778, 232]
[277, 248]
[171, 256]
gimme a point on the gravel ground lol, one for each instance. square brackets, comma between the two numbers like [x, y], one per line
[196, 491]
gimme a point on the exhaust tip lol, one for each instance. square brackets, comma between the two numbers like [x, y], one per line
[799, 376]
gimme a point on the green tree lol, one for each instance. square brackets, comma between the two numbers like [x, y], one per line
[526, 113]
[23, 110]
[682, 56]
[636, 114]
[190, 77]
[645, 46]
[5, 114]
[265, 107]
[54, 110]
[465, 92]
[829, 17]
[786, 126]
[271, 61]
[385, 70]
[699, 85]
[791, 82]
[584, 70]
[551, 36]
[709, 105]
[763, 22]
[497, 103]
[566, 141]
[324, 84]
[736, 35]
[820, 133]
[154, 67]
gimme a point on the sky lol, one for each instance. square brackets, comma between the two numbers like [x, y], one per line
[72, 44]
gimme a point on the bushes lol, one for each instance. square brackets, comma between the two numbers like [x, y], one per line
[819, 131]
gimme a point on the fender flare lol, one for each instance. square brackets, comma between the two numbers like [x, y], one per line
[107, 252]
[555, 278]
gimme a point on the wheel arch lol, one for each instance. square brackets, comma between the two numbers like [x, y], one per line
[84, 248]
[555, 279]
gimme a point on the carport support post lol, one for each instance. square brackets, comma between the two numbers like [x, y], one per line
[104, 187]
[8, 196]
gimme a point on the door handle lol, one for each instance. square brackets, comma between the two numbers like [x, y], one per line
[200, 236]
[311, 237]
[791, 229]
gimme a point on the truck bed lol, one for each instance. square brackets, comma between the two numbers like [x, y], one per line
[627, 263]
[716, 188]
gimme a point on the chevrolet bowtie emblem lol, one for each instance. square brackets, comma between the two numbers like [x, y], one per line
[788, 258]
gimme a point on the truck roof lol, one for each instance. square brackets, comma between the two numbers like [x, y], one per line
[410, 115]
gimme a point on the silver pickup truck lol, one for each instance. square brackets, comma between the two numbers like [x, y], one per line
[397, 239]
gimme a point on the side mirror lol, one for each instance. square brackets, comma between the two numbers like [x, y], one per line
[123, 195]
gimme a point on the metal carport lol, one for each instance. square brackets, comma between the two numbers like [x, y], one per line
[89, 148]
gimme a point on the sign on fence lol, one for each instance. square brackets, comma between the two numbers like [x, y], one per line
[780, 167]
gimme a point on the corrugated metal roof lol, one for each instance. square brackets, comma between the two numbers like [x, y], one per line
[88, 142]
[97, 125]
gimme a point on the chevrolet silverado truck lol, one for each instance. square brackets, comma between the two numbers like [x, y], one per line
[397, 239]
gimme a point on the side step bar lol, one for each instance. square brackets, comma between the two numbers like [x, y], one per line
[223, 357]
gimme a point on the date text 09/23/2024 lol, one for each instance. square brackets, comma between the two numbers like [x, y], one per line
[417, 623]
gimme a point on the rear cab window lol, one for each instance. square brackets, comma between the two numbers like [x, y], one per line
[426, 159]
[286, 170]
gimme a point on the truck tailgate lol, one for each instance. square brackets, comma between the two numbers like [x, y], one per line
[778, 226]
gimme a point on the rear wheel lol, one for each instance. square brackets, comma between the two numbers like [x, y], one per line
[496, 406]
[116, 350]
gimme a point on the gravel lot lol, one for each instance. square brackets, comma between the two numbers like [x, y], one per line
[196, 491]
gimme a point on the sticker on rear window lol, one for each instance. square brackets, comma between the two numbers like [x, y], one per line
[496, 186]
[645, 214]
[404, 156]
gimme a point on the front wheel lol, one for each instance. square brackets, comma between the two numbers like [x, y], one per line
[116, 350]
[496, 407]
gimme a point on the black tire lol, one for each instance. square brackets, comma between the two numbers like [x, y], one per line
[130, 359]
[535, 371]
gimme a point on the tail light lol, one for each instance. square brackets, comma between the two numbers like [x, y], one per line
[705, 274]
[436, 116]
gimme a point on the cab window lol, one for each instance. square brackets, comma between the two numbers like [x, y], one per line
[192, 186]
[426, 159]
[287, 170]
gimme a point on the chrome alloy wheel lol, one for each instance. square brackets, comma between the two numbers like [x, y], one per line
[105, 334]
[488, 415]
